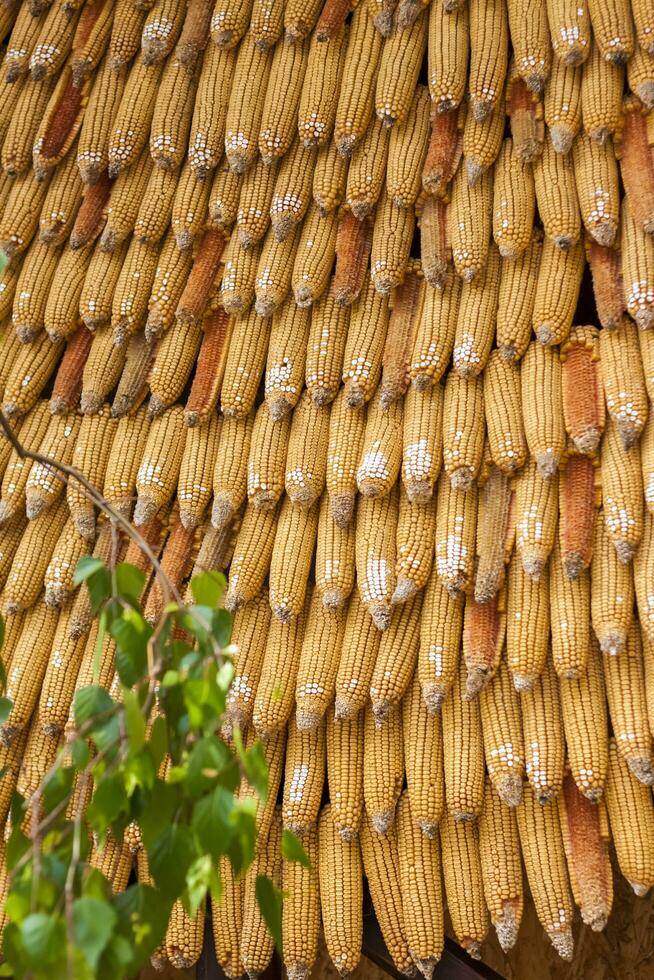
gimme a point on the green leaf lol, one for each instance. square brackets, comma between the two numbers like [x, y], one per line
[129, 581]
[143, 914]
[221, 627]
[169, 858]
[269, 900]
[134, 720]
[98, 581]
[5, 708]
[79, 753]
[208, 588]
[93, 922]
[131, 633]
[211, 821]
[256, 770]
[157, 815]
[38, 932]
[91, 702]
[292, 849]
[109, 800]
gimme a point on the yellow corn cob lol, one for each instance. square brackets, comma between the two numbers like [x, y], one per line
[646, 344]
[625, 690]
[640, 76]
[435, 333]
[170, 278]
[319, 94]
[292, 193]
[291, 559]
[81, 617]
[20, 132]
[253, 216]
[8, 287]
[613, 30]
[100, 282]
[596, 175]
[346, 437]
[29, 373]
[275, 695]
[59, 680]
[358, 79]
[286, 359]
[230, 472]
[329, 179]
[131, 125]
[375, 554]
[456, 522]
[300, 17]
[527, 624]
[622, 493]
[383, 773]
[195, 475]
[133, 290]
[256, 941]
[53, 43]
[463, 429]
[637, 268]
[345, 743]
[570, 617]
[184, 936]
[301, 909]
[489, 37]
[399, 69]
[306, 459]
[469, 225]
[239, 275]
[381, 454]
[229, 22]
[391, 245]
[58, 578]
[602, 84]
[28, 664]
[526, 118]
[420, 874]
[21, 42]
[531, 41]
[251, 559]
[631, 815]
[90, 457]
[61, 203]
[517, 292]
[341, 893]
[244, 114]
[448, 49]
[126, 32]
[441, 627]
[476, 319]
[40, 755]
[314, 256]
[462, 877]
[644, 25]
[321, 647]
[585, 836]
[381, 866]
[367, 169]
[362, 361]
[612, 596]
[562, 104]
[274, 272]
[396, 659]
[171, 119]
[129, 192]
[501, 867]
[16, 472]
[159, 469]
[647, 462]
[557, 291]
[207, 136]
[114, 861]
[463, 752]
[414, 546]
[513, 203]
[248, 346]
[583, 703]
[20, 218]
[91, 39]
[542, 729]
[283, 94]
[61, 317]
[503, 406]
[34, 280]
[227, 920]
[304, 774]
[102, 370]
[501, 724]
[249, 635]
[544, 857]
[569, 30]
[556, 195]
[161, 30]
[482, 141]
[542, 399]
[361, 641]
[155, 203]
[266, 461]
[423, 753]
[266, 23]
[325, 348]
[422, 443]
[119, 488]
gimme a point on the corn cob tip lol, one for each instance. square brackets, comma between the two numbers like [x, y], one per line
[562, 941]
[405, 589]
[282, 612]
[642, 768]
[108, 239]
[158, 963]
[422, 382]
[562, 138]
[184, 239]
[612, 642]
[474, 170]
[156, 407]
[278, 408]
[59, 406]
[114, 168]
[145, 510]
[476, 681]
[625, 551]
[35, 504]
[573, 565]
[381, 822]
[26, 333]
[342, 709]
[122, 404]
[644, 319]
[547, 463]
[297, 971]
[472, 948]
[188, 519]
[645, 92]
[7, 735]
[85, 524]
[462, 478]
[506, 926]
[304, 296]
[52, 730]
[381, 616]
[345, 145]
[334, 599]
[10, 409]
[639, 890]
[428, 827]
[264, 306]
[349, 836]
[91, 402]
[425, 967]
[307, 720]
[380, 712]
[222, 512]
[233, 600]
[486, 586]
[544, 334]
[509, 789]
[433, 696]
[524, 682]
[604, 232]
[481, 108]
[6, 513]
[383, 21]
[55, 595]
[419, 491]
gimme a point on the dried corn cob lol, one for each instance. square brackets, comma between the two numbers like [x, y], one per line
[624, 382]
[625, 692]
[345, 743]
[361, 641]
[304, 773]
[607, 283]
[339, 862]
[583, 704]
[253, 216]
[58, 578]
[501, 724]
[195, 33]
[252, 554]
[195, 476]
[637, 251]
[325, 348]
[28, 110]
[383, 773]
[381, 454]
[542, 394]
[22, 39]
[29, 373]
[286, 359]
[419, 869]
[423, 752]
[282, 99]
[613, 30]
[444, 151]
[513, 203]
[230, 473]
[647, 462]
[542, 729]
[570, 617]
[53, 43]
[576, 514]
[462, 877]
[441, 627]
[463, 754]
[556, 195]
[501, 867]
[489, 37]
[90, 457]
[248, 346]
[456, 518]
[434, 338]
[239, 275]
[629, 806]
[90, 219]
[25, 579]
[244, 114]
[531, 41]
[119, 487]
[291, 559]
[622, 493]
[314, 257]
[161, 30]
[612, 596]
[301, 909]
[463, 429]
[126, 32]
[399, 69]
[562, 105]
[448, 49]
[396, 659]
[171, 119]
[249, 634]
[375, 554]
[159, 470]
[44, 485]
[207, 136]
[353, 244]
[527, 624]
[329, 179]
[205, 268]
[434, 244]
[503, 406]
[275, 696]
[569, 31]
[274, 271]
[133, 290]
[358, 78]
[20, 218]
[60, 124]
[557, 291]
[316, 677]
[414, 547]
[307, 451]
[16, 468]
[637, 164]
[130, 188]
[475, 327]
[131, 125]
[170, 279]
[319, 95]
[227, 920]
[495, 533]
[267, 459]
[346, 435]
[422, 442]
[100, 282]
[525, 115]
[102, 371]
[483, 638]
[62, 200]
[155, 202]
[640, 76]
[469, 218]
[596, 176]
[381, 866]
[67, 386]
[602, 83]
[210, 368]
[34, 280]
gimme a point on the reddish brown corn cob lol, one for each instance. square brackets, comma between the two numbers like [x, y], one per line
[607, 284]
[195, 33]
[462, 877]
[542, 728]
[176, 561]
[67, 386]
[631, 815]
[60, 123]
[210, 368]
[353, 244]
[484, 629]
[205, 267]
[637, 164]
[340, 861]
[576, 514]
[321, 647]
[583, 404]
[359, 75]
[476, 318]
[375, 554]
[322, 84]
[494, 534]
[583, 703]
[501, 867]
[331, 19]
[359, 651]
[90, 219]
[525, 114]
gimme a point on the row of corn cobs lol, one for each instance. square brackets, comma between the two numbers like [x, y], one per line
[117, 211]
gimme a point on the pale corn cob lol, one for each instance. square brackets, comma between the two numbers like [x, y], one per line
[128, 191]
[325, 348]
[131, 124]
[318, 100]
[547, 873]
[569, 617]
[624, 382]
[155, 203]
[45, 485]
[584, 711]
[422, 442]
[132, 386]
[399, 69]
[34, 280]
[359, 651]
[463, 429]
[159, 469]
[21, 42]
[301, 909]
[469, 224]
[249, 635]
[495, 533]
[282, 99]
[275, 695]
[206, 267]
[314, 257]
[227, 920]
[381, 454]
[489, 38]
[341, 893]
[353, 244]
[29, 373]
[345, 743]
[17, 469]
[462, 877]
[253, 215]
[133, 290]
[420, 869]
[596, 176]
[414, 547]
[90, 456]
[583, 405]
[476, 319]
[67, 386]
[484, 627]
[290, 563]
[381, 866]
[613, 30]
[20, 132]
[100, 282]
[27, 668]
[463, 752]
[542, 399]
[441, 627]
[536, 510]
[557, 291]
[631, 815]
[513, 203]
[248, 346]
[562, 104]
[358, 78]
[501, 724]
[622, 493]
[542, 729]
[292, 193]
[304, 773]
[375, 554]
[434, 244]
[171, 118]
[286, 359]
[556, 195]
[161, 30]
[316, 677]
[423, 754]
[503, 407]
[625, 692]
[640, 76]
[346, 436]
[20, 217]
[527, 624]
[435, 334]
[501, 867]
[612, 596]
[569, 30]
[119, 486]
[383, 773]
[62, 200]
[239, 275]
[637, 163]
[482, 142]
[245, 110]
[637, 252]
[602, 83]
[368, 165]
[396, 659]
[230, 472]
[274, 272]
[448, 49]
[329, 179]
[58, 578]
[170, 278]
[456, 519]
[102, 370]
[257, 945]
[391, 245]
[195, 476]
[59, 680]
[126, 33]
[207, 135]
[266, 462]
[53, 43]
